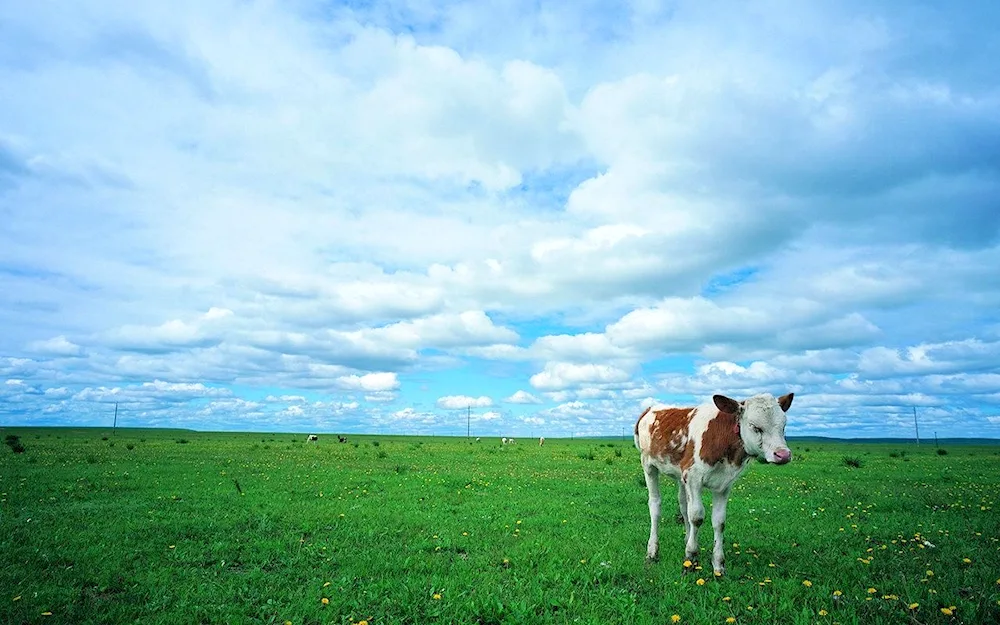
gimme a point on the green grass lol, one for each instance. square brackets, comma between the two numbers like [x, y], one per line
[259, 528]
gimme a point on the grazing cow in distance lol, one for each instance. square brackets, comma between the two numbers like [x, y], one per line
[503, 440]
[341, 439]
[707, 447]
[541, 441]
[312, 438]
[477, 439]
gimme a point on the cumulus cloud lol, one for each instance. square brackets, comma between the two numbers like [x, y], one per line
[347, 215]
[461, 402]
[372, 382]
[522, 397]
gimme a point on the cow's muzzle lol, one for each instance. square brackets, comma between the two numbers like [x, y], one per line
[782, 456]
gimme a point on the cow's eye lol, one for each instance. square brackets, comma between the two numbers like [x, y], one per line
[757, 429]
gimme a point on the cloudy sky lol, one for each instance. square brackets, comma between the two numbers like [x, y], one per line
[302, 215]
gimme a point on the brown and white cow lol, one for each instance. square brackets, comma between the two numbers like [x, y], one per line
[707, 447]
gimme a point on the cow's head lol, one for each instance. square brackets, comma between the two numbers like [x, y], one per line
[761, 424]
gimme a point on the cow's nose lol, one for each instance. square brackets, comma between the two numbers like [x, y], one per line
[782, 456]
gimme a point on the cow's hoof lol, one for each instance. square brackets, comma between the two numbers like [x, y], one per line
[652, 559]
[719, 573]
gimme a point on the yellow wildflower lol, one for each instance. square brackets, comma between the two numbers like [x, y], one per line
[687, 564]
[823, 612]
[676, 618]
[700, 582]
[872, 591]
[807, 583]
[727, 598]
[929, 573]
[913, 606]
[966, 561]
[946, 611]
[436, 596]
[731, 619]
[837, 593]
[325, 601]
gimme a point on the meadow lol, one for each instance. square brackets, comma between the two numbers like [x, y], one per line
[160, 526]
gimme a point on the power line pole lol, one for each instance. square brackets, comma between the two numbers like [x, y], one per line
[915, 427]
[114, 427]
[468, 422]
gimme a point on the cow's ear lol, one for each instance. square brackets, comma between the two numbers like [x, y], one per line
[785, 401]
[725, 404]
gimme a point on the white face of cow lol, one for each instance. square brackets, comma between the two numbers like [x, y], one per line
[762, 425]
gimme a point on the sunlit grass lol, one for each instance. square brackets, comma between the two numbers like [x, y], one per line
[262, 528]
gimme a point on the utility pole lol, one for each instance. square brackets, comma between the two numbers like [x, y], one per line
[114, 426]
[468, 421]
[915, 427]
[935, 438]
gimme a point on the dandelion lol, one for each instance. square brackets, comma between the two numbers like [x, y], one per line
[676, 618]
[727, 598]
[823, 612]
[325, 601]
[872, 591]
[46, 614]
[913, 606]
[837, 593]
[687, 564]
[947, 611]
[364, 622]
[807, 583]
[929, 573]
[436, 596]
[731, 619]
[966, 561]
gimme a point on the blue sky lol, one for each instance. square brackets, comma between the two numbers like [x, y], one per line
[366, 217]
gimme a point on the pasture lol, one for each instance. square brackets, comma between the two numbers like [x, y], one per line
[160, 526]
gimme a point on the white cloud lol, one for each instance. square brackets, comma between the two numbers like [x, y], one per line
[561, 375]
[372, 382]
[522, 397]
[56, 346]
[461, 402]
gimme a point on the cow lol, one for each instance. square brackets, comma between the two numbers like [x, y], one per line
[312, 438]
[708, 446]
[541, 441]
[503, 440]
[341, 439]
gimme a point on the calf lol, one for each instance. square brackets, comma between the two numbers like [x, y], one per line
[707, 447]
[312, 438]
[541, 441]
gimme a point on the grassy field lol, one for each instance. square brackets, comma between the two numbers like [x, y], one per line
[158, 526]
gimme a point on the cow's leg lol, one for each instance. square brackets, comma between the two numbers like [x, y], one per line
[719, 501]
[682, 504]
[695, 517]
[653, 486]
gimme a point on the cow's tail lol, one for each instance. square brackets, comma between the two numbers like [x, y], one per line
[635, 431]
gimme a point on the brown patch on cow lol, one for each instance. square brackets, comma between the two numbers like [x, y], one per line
[668, 436]
[722, 441]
